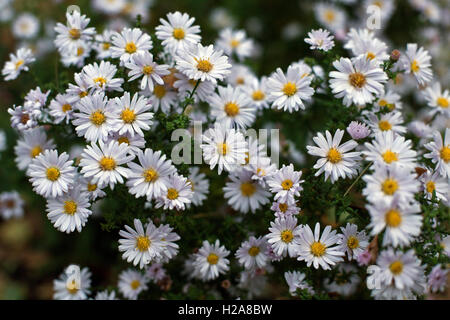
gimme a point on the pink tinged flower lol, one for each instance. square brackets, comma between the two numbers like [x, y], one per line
[358, 130]
[364, 258]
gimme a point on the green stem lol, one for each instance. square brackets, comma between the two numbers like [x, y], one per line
[191, 95]
[356, 180]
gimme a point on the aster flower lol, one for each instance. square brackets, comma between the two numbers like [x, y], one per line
[178, 32]
[285, 183]
[72, 290]
[25, 26]
[177, 195]
[210, 260]
[437, 279]
[417, 62]
[103, 44]
[335, 159]
[79, 90]
[69, 211]
[330, 16]
[135, 142]
[32, 143]
[140, 246]
[440, 152]
[24, 117]
[319, 250]
[297, 280]
[352, 241]
[438, 100]
[359, 81]
[101, 77]
[131, 283]
[358, 130]
[51, 174]
[433, 182]
[105, 295]
[162, 97]
[170, 248]
[128, 43]
[103, 163]
[184, 85]
[284, 236]
[199, 185]
[252, 253]
[320, 39]
[363, 42]
[69, 36]
[391, 121]
[37, 97]
[389, 100]
[282, 209]
[61, 108]
[142, 65]
[235, 42]
[240, 76]
[11, 205]
[257, 91]
[17, 62]
[203, 63]
[288, 92]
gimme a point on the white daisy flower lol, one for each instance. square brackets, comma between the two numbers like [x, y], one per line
[232, 108]
[103, 163]
[285, 183]
[105, 295]
[389, 100]
[142, 64]
[437, 279]
[283, 209]
[401, 221]
[440, 152]
[420, 129]
[296, 280]
[178, 32]
[359, 81]
[330, 16]
[24, 117]
[235, 42]
[17, 62]
[101, 77]
[92, 189]
[335, 159]
[78, 91]
[387, 182]
[76, 57]
[69, 211]
[352, 241]
[252, 253]
[288, 91]
[363, 42]
[438, 100]
[170, 248]
[102, 44]
[75, 31]
[399, 268]
[434, 182]
[135, 142]
[319, 250]
[61, 108]
[131, 283]
[150, 177]
[25, 26]
[240, 76]
[245, 194]
[199, 185]
[162, 97]
[284, 236]
[184, 86]
[94, 117]
[72, 290]
[131, 115]
[223, 147]
[320, 39]
[257, 91]
[50, 174]
[140, 246]
[11, 205]
[177, 195]
[386, 122]
[37, 97]
[128, 43]
[417, 62]
[387, 148]
[32, 143]
[261, 167]
[203, 63]
[210, 260]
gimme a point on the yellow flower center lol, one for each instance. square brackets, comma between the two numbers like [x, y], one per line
[396, 267]
[150, 175]
[123, 140]
[247, 158]
[389, 186]
[130, 47]
[204, 65]
[287, 236]
[334, 156]
[352, 242]
[70, 207]
[106, 46]
[318, 249]
[357, 79]
[240, 80]
[393, 218]
[128, 116]
[378, 4]
[101, 81]
[159, 91]
[445, 154]
[107, 163]
[135, 284]
[329, 16]
[442, 102]
[142, 243]
[283, 207]
[91, 187]
[231, 109]
[97, 118]
[178, 33]
[234, 43]
[253, 251]
[72, 287]
[212, 258]
[82, 94]
[258, 95]
[147, 70]
[287, 184]
[35, 151]
[261, 172]
[19, 63]
[80, 51]
[384, 125]
[389, 156]
[247, 189]
[222, 148]
[53, 173]
[382, 103]
[172, 194]
[74, 33]
[24, 118]
[290, 89]
[415, 66]
[66, 107]
[370, 55]
[430, 186]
